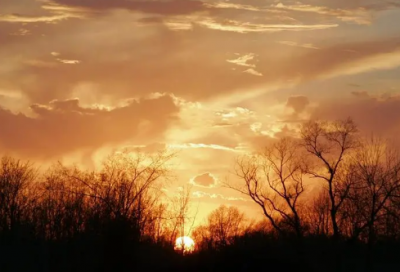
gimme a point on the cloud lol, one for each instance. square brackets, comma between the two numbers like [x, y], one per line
[14, 100]
[246, 27]
[177, 24]
[373, 62]
[354, 85]
[202, 76]
[200, 194]
[65, 61]
[227, 5]
[298, 103]
[200, 146]
[361, 94]
[360, 15]
[21, 32]
[380, 116]
[55, 13]
[26, 19]
[253, 72]
[182, 22]
[64, 126]
[336, 60]
[205, 180]
[234, 117]
[304, 45]
[169, 7]
[243, 60]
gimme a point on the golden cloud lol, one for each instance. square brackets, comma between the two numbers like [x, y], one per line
[304, 45]
[57, 13]
[64, 126]
[206, 180]
[245, 27]
[360, 15]
[200, 194]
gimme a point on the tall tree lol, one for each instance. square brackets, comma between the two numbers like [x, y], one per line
[375, 169]
[329, 143]
[274, 181]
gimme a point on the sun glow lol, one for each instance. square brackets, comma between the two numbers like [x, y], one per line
[185, 244]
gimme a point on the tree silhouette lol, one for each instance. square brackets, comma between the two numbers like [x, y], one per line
[329, 143]
[274, 181]
[375, 169]
[223, 225]
[317, 214]
[182, 222]
[16, 184]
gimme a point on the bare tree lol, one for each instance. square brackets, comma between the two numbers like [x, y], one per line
[16, 181]
[203, 239]
[274, 181]
[63, 207]
[329, 143]
[223, 225]
[375, 169]
[317, 214]
[181, 219]
[181, 207]
[127, 187]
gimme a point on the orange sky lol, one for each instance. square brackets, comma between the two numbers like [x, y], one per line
[80, 79]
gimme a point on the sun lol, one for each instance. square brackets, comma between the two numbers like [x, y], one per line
[184, 243]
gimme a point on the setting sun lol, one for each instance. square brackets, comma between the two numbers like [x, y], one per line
[184, 243]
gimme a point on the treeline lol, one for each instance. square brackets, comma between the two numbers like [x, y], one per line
[330, 200]
[355, 183]
[66, 219]
[329, 190]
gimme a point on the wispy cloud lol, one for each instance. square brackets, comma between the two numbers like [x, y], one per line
[253, 72]
[66, 61]
[174, 24]
[14, 18]
[227, 5]
[304, 45]
[160, 7]
[360, 16]
[21, 32]
[62, 60]
[245, 27]
[200, 146]
[243, 60]
[55, 14]
[199, 194]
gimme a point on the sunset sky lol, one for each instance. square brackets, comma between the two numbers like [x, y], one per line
[80, 79]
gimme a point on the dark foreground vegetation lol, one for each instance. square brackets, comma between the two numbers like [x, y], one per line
[331, 201]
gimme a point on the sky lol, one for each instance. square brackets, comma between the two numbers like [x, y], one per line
[211, 80]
